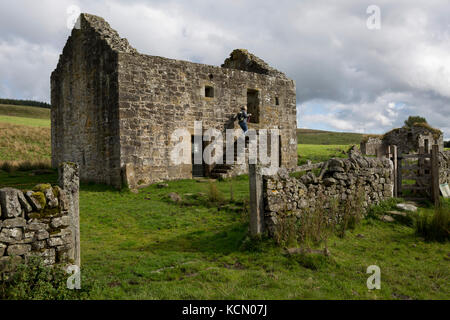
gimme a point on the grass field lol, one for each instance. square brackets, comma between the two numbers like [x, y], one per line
[310, 136]
[320, 153]
[24, 134]
[25, 112]
[144, 246]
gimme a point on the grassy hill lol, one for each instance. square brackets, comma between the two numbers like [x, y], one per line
[25, 112]
[24, 136]
[311, 136]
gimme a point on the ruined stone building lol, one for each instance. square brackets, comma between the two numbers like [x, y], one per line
[114, 109]
[407, 140]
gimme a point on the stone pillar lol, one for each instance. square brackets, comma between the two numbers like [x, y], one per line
[69, 181]
[256, 200]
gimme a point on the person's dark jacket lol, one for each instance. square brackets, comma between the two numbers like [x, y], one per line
[242, 116]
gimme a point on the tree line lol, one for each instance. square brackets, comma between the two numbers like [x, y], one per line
[30, 103]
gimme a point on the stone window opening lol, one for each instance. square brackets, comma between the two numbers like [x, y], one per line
[253, 105]
[209, 92]
[277, 101]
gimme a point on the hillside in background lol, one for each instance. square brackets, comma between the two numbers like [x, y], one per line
[30, 103]
[24, 135]
[311, 136]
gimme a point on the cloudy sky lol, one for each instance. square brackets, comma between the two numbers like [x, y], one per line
[350, 74]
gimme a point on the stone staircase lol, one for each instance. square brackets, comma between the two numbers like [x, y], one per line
[225, 170]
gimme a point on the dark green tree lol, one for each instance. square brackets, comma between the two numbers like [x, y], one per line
[414, 119]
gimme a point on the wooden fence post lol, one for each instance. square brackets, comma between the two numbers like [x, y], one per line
[256, 201]
[435, 174]
[399, 174]
[394, 159]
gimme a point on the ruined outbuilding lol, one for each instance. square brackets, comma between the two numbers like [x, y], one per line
[406, 139]
[114, 109]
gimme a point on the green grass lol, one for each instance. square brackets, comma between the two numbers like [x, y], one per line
[24, 111]
[310, 136]
[29, 122]
[24, 135]
[25, 116]
[320, 153]
[143, 246]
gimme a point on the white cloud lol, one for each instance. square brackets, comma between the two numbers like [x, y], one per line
[366, 79]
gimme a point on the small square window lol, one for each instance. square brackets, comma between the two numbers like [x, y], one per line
[209, 92]
[277, 101]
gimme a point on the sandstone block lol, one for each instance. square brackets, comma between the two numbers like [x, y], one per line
[42, 234]
[14, 223]
[56, 241]
[35, 204]
[10, 204]
[18, 249]
[11, 235]
[59, 222]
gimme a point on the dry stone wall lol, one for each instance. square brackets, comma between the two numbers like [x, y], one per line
[39, 222]
[444, 167]
[340, 180]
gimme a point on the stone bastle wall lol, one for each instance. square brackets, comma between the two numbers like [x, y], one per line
[114, 110]
[340, 179]
[40, 222]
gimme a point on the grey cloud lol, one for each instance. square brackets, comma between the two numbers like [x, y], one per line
[323, 45]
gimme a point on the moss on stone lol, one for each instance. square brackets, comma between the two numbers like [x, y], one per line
[72, 164]
[436, 132]
[42, 187]
[46, 213]
[55, 231]
[368, 136]
[56, 191]
[40, 197]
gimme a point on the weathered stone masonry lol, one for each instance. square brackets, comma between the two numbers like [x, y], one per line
[42, 222]
[342, 179]
[444, 167]
[114, 110]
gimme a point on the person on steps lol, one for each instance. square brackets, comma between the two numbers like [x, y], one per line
[242, 117]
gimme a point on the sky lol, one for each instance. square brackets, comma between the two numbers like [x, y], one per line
[359, 66]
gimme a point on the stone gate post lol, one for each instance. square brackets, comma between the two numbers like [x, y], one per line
[69, 181]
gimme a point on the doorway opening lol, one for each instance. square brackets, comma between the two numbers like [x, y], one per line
[253, 105]
[198, 166]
